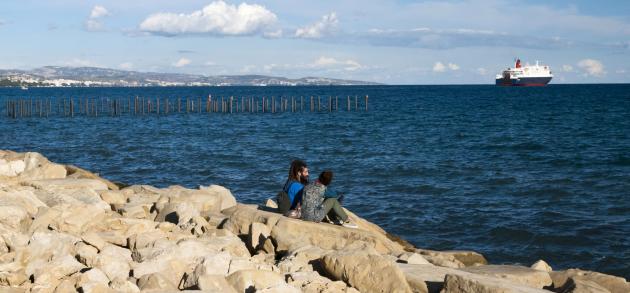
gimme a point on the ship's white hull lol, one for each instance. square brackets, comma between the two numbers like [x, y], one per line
[524, 81]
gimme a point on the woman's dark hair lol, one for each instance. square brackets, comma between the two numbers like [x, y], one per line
[296, 167]
[326, 177]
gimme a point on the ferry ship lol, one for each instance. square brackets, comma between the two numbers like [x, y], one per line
[537, 75]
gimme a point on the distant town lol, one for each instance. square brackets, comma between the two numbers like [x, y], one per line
[56, 76]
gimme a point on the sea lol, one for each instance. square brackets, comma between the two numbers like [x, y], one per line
[516, 174]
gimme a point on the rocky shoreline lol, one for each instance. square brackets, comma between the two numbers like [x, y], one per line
[64, 229]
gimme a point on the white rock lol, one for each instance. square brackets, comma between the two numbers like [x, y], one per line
[413, 259]
[246, 279]
[541, 265]
[114, 262]
[94, 275]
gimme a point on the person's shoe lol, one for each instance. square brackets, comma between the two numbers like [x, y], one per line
[349, 224]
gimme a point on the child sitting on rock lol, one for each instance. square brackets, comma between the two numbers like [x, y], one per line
[316, 206]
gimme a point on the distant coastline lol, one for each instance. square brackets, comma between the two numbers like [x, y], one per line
[55, 76]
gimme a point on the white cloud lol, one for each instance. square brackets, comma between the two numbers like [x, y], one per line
[77, 62]
[98, 12]
[482, 71]
[326, 26]
[126, 65]
[329, 62]
[94, 25]
[182, 62]
[620, 71]
[273, 34]
[210, 63]
[217, 18]
[453, 66]
[450, 38]
[592, 67]
[95, 20]
[439, 67]
[248, 68]
[567, 68]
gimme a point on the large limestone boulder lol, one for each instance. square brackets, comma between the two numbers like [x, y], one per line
[303, 259]
[453, 258]
[426, 278]
[214, 283]
[114, 262]
[367, 271]
[57, 184]
[413, 258]
[312, 282]
[28, 166]
[177, 213]
[611, 283]
[113, 197]
[467, 282]
[73, 219]
[581, 286]
[14, 217]
[156, 282]
[78, 173]
[430, 278]
[250, 280]
[44, 246]
[69, 191]
[211, 265]
[517, 274]
[91, 279]
[50, 274]
[11, 168]
[286, 232]
[227, 199]
[541, 265]
[23, 197]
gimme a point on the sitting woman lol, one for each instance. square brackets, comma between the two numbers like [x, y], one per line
[290, 198]
[316, 206]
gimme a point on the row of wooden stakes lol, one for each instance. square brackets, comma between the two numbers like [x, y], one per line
[70, 107]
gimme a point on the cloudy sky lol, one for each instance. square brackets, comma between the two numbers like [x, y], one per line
[394, 42]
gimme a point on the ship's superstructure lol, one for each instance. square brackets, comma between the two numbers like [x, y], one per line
[536, 75]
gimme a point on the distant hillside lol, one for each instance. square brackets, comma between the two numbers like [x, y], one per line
[93, 76]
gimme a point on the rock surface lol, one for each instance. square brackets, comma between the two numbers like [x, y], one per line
[517, 274]
[484, 284]
[611, 283]
[358, 268]
[65, 229]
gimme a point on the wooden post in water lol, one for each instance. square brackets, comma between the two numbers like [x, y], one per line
[273, 104]
[366, 103]
[337, 103]
[329, 103]
[356, 103]
[319, 104]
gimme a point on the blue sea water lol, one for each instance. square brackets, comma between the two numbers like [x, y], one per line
[517, 174]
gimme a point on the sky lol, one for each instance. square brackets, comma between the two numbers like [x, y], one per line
[392, 42]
